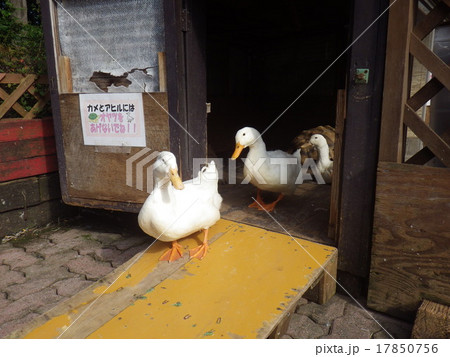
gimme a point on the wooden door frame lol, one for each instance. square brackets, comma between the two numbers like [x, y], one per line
[359, 155]
[185, 23]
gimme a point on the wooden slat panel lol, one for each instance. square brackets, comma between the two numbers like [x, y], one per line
[28, 167]
[23, 86]
[434, 142]
[432, 62]
[22, 129]
[434, 18]
[23, 149]
[395, 81]
[410, 251]
[425, 93]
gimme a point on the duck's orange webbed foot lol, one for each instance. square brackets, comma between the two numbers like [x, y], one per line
[173, 253]
[200, 251]
[269, 207]
[259, 201]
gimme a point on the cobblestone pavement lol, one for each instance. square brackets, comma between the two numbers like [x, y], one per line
[41, 268]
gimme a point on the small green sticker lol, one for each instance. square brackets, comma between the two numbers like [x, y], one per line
[209, 333]
[177, 304]
[128, 276]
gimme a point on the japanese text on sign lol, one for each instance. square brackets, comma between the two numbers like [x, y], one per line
[113, 119]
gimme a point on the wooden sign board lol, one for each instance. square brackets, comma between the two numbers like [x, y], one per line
[101, 176]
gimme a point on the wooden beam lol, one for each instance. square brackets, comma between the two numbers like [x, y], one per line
[423, 156]
[12, 170]
[162, 71]
[425, 93]
[15, 78]
[401, 17]
[434, 142]
[433, 19]
[432, 62]
[22, 129]
[22, 149]
[65, 74]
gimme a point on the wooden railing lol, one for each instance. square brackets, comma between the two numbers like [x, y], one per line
[399, 108]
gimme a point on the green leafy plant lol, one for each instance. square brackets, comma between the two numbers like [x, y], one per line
[21, 45]
[22, 51]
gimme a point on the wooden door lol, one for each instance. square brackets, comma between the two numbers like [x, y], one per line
[185, 23]
[173, 92]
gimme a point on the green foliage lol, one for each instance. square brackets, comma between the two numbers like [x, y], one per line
[21, 45]
[22, 51]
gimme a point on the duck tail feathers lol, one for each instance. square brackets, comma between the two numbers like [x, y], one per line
[298, 155]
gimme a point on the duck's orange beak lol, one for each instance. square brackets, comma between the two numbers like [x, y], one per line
[176, 179]
[237, 151]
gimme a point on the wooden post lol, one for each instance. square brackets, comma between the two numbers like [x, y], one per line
[325, 287]
[360, 151]
[333, 226]
[395, 80]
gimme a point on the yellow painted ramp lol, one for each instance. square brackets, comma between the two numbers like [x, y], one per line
[244, 288]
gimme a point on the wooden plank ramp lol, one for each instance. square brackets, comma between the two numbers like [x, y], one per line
[246, 287]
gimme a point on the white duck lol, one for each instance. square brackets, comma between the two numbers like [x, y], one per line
[275, 171]
[175, 210]
[324, 164]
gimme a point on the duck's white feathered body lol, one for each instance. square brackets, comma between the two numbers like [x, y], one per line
[273, 175]
[169, 214]
[275, 171]
[324, 164]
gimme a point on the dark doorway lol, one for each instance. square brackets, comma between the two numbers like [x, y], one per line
[261, 56]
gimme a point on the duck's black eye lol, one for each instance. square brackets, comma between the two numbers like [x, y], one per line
[243, 134]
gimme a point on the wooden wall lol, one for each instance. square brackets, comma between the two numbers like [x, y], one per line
[29, 184]
[411, 251]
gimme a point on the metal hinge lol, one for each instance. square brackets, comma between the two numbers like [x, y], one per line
[185, 20]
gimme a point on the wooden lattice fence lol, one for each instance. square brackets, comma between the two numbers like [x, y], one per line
[27, 143]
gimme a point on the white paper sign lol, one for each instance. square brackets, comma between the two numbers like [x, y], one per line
[113, 119]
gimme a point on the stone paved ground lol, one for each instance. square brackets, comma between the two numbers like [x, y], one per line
[41, 268]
